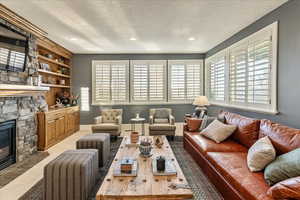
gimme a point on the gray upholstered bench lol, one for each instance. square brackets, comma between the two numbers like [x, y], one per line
[99, 141]
[72, 175]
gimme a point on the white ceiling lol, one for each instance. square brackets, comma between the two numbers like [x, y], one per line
[159, 26]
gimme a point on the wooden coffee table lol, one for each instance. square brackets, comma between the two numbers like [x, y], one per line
[145, 186]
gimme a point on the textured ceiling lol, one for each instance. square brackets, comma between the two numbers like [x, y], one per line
[159, 26]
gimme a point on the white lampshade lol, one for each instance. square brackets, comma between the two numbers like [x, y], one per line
[201, 101]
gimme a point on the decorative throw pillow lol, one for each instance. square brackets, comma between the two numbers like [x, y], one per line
[193, 124]
[217, 131]
[260, 154]
[283, 167]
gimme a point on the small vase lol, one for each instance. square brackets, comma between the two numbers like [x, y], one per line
[134, 137]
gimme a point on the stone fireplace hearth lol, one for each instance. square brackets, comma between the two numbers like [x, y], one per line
[23, 110]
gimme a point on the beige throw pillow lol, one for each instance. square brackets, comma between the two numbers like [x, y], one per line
[217, 131]
[260, 154]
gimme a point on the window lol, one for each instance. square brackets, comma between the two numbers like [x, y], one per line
[84, 97]
[185, 80]
[110, 82]
[248, 73]
[148, 80]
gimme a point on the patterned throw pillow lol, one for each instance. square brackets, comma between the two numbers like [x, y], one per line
[260, 154]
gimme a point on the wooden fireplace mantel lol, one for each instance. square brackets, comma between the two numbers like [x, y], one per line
[8, 90]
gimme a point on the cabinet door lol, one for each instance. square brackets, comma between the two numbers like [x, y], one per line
[77, 121]
[50, 132]
[60, 128]
[69, 123]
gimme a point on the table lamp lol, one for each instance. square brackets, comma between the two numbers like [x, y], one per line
[200, 102]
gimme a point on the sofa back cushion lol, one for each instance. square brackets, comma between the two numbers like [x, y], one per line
[283, 138]
[247, 128]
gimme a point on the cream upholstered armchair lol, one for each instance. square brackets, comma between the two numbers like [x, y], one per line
[110, 122]
[161, 122]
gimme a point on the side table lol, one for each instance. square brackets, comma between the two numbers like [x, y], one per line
[135, 121]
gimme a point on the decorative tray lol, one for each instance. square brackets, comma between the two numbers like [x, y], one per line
[169, 171]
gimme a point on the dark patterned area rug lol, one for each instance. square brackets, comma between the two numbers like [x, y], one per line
[202, 188]
[10, 173]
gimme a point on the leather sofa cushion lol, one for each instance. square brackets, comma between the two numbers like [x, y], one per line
[287, 189]
[283, 138]
[205, 145]
[247, 128]
[233, 167]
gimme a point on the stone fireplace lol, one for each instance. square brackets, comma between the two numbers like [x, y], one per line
[7, 143]
[21, 109]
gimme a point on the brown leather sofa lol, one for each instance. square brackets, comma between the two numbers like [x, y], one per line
[226, 166]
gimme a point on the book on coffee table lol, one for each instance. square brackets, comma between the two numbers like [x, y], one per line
[117, 170]
[169, 171]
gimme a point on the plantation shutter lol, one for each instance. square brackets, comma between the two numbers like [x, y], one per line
[216, 78]
[101, 91]
[177, 82]
[193, 80]
[119, 82]
[259, 71]
[238, 74]
[185, 80]
[110, 82]
[140, 82]
[157, 74]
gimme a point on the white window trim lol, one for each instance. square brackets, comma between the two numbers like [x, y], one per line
[256, 108]
[185, 101]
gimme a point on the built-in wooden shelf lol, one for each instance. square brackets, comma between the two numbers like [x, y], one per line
[53, 73]
[53, 61]
[54, 85]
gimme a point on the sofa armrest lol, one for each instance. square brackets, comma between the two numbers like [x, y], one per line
[287, 189]
[98, 120]
[151, 119]
[185, 127]
[172, 119]
[119, 119]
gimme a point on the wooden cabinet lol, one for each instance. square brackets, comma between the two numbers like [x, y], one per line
[56, 125]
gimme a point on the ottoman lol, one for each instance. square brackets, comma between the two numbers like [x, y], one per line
[71, 176]
[99, 141]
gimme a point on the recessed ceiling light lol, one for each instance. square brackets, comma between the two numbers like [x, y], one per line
[191, 38]
[132, 39]
[73, 39]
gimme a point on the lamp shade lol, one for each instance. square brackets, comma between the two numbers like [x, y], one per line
[201, 101]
